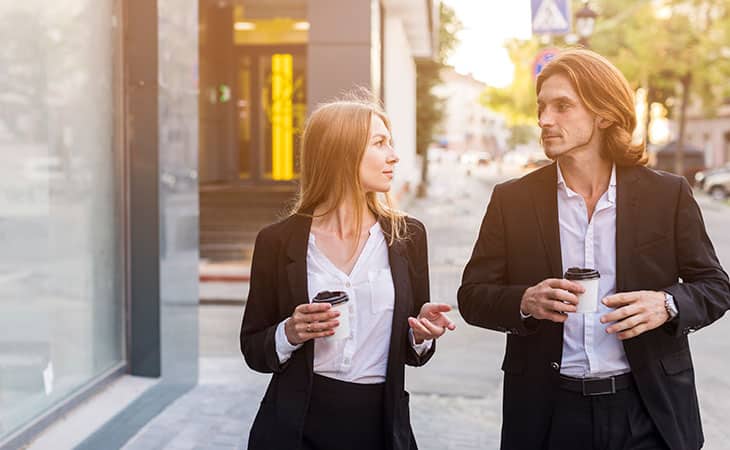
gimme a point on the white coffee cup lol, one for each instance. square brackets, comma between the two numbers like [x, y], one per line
[588, 278]
[340, 303]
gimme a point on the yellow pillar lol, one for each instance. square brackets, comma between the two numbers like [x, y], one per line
[282, 142]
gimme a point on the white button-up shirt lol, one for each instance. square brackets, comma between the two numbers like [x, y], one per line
[362, 357]
[588, 351]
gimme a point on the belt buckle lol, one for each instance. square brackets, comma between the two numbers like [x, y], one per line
[599, 386]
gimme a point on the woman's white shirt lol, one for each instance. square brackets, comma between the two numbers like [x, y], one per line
[362, 357]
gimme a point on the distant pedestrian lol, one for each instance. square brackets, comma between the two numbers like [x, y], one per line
[339, 296]
[597, 358]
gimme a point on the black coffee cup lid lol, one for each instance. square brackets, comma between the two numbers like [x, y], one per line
[331, 297]
[579, 273]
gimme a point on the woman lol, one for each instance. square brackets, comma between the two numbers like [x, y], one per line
[329, 392]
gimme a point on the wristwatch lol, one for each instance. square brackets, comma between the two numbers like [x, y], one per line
[670, 305]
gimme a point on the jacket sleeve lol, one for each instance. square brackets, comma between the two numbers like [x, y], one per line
[421, 290]
[485, 299]
[261, 316]
[703, 295]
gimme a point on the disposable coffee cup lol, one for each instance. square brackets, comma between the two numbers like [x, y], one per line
[338, 300]
[588, 278]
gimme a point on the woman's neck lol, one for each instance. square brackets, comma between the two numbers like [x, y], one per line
[340, 221]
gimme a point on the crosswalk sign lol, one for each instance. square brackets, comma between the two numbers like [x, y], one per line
[551, 16]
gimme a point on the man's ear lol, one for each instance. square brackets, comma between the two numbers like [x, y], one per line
[604, 123]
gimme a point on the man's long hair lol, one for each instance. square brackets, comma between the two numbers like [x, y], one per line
[603, 89]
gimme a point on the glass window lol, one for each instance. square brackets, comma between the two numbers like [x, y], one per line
[60, 266]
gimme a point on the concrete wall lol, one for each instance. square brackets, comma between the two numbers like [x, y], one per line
[338, 54]
[400, 101]
[710, 135]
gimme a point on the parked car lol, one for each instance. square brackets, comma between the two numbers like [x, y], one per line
[701, 176]
[718, 185]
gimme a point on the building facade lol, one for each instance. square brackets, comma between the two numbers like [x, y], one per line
[712, 135]
[264, 65]
[99, 215]
[467, 124]
[136, 135]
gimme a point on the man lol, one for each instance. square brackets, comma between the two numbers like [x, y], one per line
[622, 377]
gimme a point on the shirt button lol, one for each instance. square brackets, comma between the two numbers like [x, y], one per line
[555, 366]
[347, 284]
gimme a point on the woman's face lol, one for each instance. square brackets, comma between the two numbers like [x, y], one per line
[378, 162]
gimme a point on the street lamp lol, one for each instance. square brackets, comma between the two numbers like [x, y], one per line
[585, 23]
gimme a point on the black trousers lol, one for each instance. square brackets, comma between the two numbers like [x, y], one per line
[344, 415]
[603, 422]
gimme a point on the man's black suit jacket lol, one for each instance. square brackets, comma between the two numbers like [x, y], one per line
[278, 285]
[661, 244]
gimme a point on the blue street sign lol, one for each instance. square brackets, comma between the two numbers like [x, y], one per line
[551, 16]
[542, 59]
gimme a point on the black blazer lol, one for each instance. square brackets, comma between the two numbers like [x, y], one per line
[278, 285]
[660, 239]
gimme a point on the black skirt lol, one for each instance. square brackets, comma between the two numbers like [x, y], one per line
[344, 415]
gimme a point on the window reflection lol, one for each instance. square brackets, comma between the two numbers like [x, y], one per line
[60, 308]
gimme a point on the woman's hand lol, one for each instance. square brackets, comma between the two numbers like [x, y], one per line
[309, 321]
[431, 323]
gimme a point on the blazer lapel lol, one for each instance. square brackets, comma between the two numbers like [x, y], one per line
[296, 271]
[402, 307]
[627, 204]
[545, 198]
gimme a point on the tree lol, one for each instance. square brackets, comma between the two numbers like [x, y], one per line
[675, 48]
[429, 107]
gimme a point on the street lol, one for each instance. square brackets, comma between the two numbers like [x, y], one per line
[456, 398]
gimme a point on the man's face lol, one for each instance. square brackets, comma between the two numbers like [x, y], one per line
[567, 125]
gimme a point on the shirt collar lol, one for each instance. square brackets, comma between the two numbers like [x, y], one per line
[611, 184]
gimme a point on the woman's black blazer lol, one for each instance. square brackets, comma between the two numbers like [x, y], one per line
[278, 285]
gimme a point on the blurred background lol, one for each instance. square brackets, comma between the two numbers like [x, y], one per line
[144, 143]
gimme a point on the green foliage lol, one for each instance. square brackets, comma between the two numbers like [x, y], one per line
[687, 46]
[429, 107]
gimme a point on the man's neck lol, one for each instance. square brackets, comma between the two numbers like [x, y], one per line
[588, 174]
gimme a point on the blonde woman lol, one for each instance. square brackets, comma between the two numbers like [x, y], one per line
[332, 392]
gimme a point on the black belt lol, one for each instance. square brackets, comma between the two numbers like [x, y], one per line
[597, 386]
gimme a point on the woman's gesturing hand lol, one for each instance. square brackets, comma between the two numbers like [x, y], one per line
[309, 321]
[431, 322]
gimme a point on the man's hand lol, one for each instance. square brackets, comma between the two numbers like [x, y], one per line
[431, 323]
[636, 312]
[551, 299]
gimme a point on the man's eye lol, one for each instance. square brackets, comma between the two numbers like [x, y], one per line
[563, 106]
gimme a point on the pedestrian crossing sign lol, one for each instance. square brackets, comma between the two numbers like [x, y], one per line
[551, 16]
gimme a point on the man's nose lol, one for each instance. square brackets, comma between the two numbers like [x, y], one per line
[545, 120]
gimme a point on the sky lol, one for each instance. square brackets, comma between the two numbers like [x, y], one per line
[487, 25]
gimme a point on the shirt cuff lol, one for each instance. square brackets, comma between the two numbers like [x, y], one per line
[283, 348]
[421, 348]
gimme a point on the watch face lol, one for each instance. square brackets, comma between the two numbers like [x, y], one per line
[670, 306]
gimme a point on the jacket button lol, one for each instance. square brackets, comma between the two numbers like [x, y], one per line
[555, 366]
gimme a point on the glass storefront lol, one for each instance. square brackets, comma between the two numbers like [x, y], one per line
[61, 271]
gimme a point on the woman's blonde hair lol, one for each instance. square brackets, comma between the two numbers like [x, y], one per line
[603, 89]
[332, 147]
